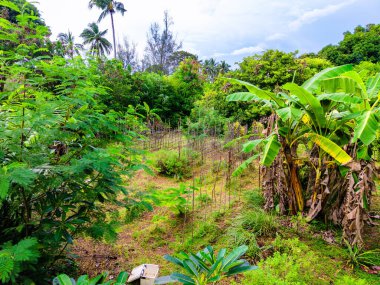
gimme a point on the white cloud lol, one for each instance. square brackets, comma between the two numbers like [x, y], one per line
[313, 15]
[248, 50]
[276, 36]
[212, 28]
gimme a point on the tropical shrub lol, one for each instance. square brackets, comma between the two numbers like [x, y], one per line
[63, 279]
[258, 222]
[170, 164]
[205, 121]
[292, 263]
[205, 267]
[62, 154]
[175, 198]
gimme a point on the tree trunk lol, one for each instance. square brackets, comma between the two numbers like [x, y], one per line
[295, 183]
[113, 35]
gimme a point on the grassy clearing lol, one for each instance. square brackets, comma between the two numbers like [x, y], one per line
[287, 249]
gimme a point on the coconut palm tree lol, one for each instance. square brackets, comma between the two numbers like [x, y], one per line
[211, 68]
[223, 67]
[68, 42]
[99, 45]
[108, 7]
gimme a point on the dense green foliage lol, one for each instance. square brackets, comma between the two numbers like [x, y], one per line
[69, 127]
[361, 45]
[60, 148]
[171, 96]
[207, 267]
[268, 71]
[331, 113]
[170, 163]
[16, 259]
[293, 262]
[63, 279]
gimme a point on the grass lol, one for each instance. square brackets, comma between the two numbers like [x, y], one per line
[287, 249]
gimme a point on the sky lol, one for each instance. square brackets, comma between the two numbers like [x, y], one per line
[223, 29]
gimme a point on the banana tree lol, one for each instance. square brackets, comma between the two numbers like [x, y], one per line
[320, 115]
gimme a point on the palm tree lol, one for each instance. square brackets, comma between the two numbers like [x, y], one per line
[69, 45]
[211, 68]
[99, 45]
[108, 7]
[223, 67]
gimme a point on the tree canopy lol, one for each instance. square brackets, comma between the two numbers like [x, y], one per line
[361, 45]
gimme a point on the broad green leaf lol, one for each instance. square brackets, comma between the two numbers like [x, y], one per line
[190, 267]
[198, 262]
[362, 153]
[261, 94]
[341, 98]
[182, 278]
[240, 269]
[366, 128]
[271, 149]
[209, 251]
[359, 81]
[234, 255]
[306, 98]
[63, 279]
[289, 113]
[330, 148]
[251, 145]
[341, 84]
[214, 267]
[242, 96]
[239, 170]
[313, 83]
[96, 279]
[82, 280]
[122, 277]
[373, 86]
[173, 260]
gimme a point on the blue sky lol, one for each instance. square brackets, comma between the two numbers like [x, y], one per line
[224, 29]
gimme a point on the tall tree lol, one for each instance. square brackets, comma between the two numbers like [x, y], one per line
[127, 54]
[179, 56]
[99, 45]
[361, 45]
[109, 7]
[160, 46]
[69, 46]
[223, 67]
[210, 67]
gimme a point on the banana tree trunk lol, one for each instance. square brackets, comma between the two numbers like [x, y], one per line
[295, 191]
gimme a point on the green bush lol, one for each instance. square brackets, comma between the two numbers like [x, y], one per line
[348, 280]
[238, 236]
[254, 199]
[293, 263]
[259, 222]
[170, 164]
[204, 199]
